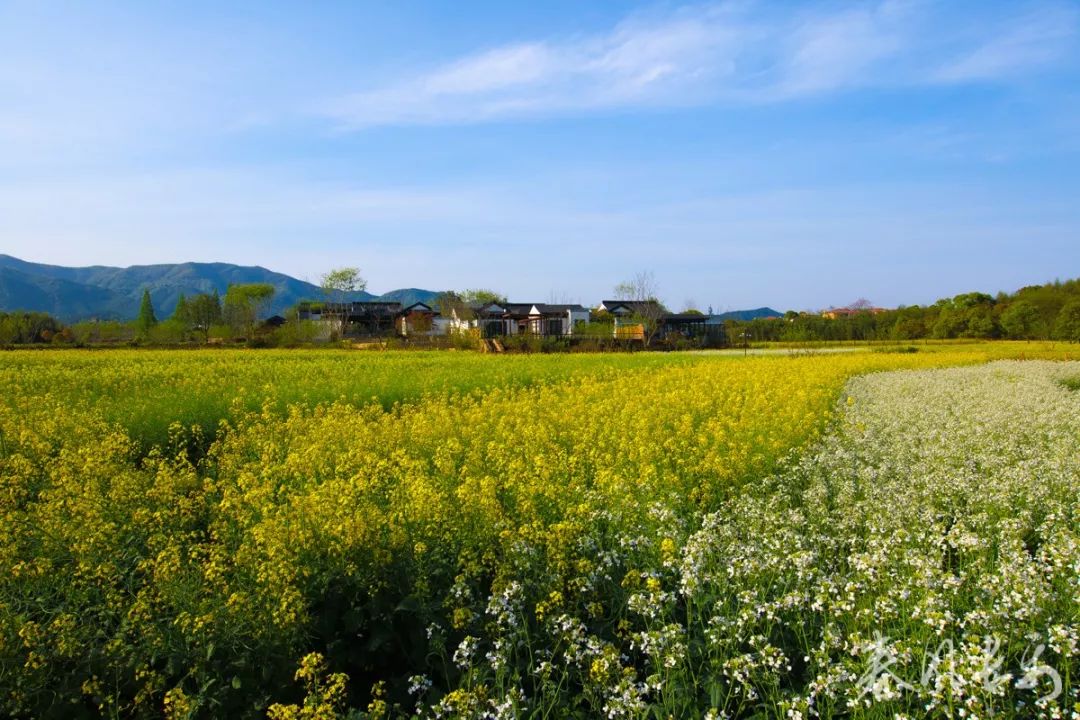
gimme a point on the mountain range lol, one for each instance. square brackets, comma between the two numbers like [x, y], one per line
[744, 315]
[80, 293]
[113, 293]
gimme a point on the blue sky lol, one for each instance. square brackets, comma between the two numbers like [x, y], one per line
[798, 155]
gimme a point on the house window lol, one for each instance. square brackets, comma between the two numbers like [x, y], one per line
[555, 326]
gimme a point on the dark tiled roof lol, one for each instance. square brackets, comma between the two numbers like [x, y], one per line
[559, 308]
[685, 317]
[632, 305]
[522, 310]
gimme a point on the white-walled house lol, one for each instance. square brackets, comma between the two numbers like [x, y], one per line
[502, 319]
[420, 319]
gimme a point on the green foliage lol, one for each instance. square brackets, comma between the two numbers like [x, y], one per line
[107, 332]
[1021, 320]
[244, 305]
[966, 301]
[908, 328]
[482, 296]
[27, 327]
[461, 304]
[979, 322]
[1031, 313]
[180, 312]
[295, 333]
[146, 319]
[203, 312]
[602, 329]
[169, 332]
[221, 333]
[339, 282]
[1067, 325]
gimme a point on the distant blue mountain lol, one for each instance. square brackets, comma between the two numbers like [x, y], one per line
[749, 314]
[79, 293]
[409, 296]
[58, 297]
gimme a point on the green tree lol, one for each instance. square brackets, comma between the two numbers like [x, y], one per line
[1067, 325]
[181, 311]
[338, 285]
[965, 301]
[168, 332]
[483, 296]
[181, 317]
[447, 302]
[245, 304]
[461, 304]
[949, 324]
[203, 313]
[908, 328]
[980, 322]
[1021, 320]
[27, 327]
[146, 319]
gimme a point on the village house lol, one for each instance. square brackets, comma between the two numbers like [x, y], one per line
[629, 315]
[421, 320]
[503, 319]
[494, 319]
[376, 317]
[365, 317]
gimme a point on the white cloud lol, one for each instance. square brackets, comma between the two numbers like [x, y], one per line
[729, 52]
[835, 51]
[638, 62]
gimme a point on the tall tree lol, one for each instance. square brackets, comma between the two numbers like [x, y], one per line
[181, 310]
[204, 312]
[641, 290]
[146, 319]
[181, 317]
[338, 285]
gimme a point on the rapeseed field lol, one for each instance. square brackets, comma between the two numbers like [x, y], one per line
[321, 534]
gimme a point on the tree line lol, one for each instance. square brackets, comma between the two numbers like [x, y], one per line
[1037, 312]
[237, 315]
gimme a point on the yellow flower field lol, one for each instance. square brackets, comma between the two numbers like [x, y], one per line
[178, 530]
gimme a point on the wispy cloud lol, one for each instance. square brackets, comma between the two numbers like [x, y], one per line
[828, 52]
[739, 52]
[1016, 46]
[638, 62]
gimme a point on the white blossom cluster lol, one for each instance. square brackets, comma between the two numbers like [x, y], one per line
[923, 558]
